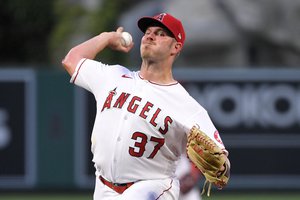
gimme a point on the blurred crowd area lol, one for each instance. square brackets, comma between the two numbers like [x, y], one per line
[220, 33]
[232, 33]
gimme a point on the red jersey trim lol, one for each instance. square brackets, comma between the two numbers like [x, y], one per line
[77, 71]
[175, 83]
[165, 190]
[126, 76]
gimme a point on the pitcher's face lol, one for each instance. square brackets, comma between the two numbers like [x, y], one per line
[156, 44]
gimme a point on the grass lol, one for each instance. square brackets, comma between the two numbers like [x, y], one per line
[214, 196]
[249, 196]
[46, 197]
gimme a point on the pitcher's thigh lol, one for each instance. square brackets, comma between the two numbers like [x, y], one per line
[165, 189]
[102, 192]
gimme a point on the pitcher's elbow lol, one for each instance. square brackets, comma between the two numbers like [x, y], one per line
[68, 65]
[64, 62]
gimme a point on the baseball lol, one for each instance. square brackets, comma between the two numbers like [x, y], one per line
[126, 39]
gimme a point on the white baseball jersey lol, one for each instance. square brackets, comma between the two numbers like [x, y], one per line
[140, 130]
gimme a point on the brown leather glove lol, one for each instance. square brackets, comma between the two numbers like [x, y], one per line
[209, 159]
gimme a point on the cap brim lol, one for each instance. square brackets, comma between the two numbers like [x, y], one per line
[145, 22]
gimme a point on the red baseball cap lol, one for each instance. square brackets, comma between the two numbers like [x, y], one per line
[165, 20]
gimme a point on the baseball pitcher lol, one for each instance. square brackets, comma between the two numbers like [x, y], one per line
[145, 119]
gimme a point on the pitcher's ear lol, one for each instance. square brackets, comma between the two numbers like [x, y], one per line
[178, 46]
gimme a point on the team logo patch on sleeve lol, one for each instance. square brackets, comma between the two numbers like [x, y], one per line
[217, 136]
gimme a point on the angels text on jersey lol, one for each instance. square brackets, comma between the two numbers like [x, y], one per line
[117, 101]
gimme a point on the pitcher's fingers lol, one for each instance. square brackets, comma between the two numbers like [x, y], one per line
[120, 29]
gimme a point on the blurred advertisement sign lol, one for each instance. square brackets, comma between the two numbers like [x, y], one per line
[17, 128]
[257, 113]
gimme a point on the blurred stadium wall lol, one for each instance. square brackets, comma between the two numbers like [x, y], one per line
[46, 122]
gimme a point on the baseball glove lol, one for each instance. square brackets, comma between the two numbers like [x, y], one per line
[209, 159]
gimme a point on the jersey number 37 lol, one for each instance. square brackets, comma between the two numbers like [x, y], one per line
[140, 145]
